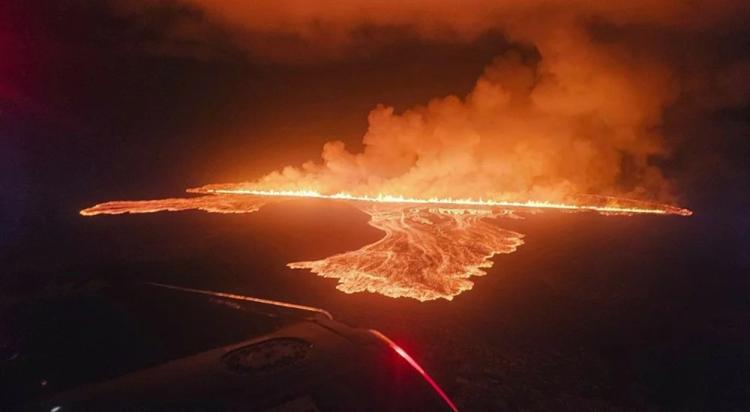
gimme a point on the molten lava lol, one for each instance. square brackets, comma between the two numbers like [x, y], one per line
[430, 249]
[426, 253]
[212, 204]
[599, 204]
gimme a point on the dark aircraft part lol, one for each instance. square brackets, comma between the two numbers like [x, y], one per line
[267, 356]
[314, 364]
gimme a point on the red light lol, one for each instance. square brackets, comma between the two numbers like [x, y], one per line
[401, 352]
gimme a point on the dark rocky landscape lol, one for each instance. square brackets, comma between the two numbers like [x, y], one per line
[591, 313]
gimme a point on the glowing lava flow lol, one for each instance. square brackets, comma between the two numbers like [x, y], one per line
[426, 253]
[430, 249]
[602, 204]
[212, 204]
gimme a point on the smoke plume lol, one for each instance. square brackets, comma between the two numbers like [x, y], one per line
[577, 107]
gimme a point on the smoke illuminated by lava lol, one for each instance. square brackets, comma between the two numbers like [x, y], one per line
[430, 249]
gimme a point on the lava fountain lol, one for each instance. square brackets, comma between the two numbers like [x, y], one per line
[430, 249]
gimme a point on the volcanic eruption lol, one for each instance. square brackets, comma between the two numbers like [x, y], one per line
[567, 117]
[430, 248]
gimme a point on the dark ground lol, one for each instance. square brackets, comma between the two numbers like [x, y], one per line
[592, 313]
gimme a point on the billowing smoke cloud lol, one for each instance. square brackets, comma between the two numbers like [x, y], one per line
[576, 108]
[529, 129]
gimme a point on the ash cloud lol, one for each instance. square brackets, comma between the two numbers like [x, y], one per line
[577, 107]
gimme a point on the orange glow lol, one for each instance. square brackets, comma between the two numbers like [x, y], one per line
[426, 253]
[615, 206]
[211, 204]
[430, 248]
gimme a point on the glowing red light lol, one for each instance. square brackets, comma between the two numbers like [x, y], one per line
[401, 352]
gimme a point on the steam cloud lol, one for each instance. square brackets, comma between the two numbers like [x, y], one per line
[575, 108]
